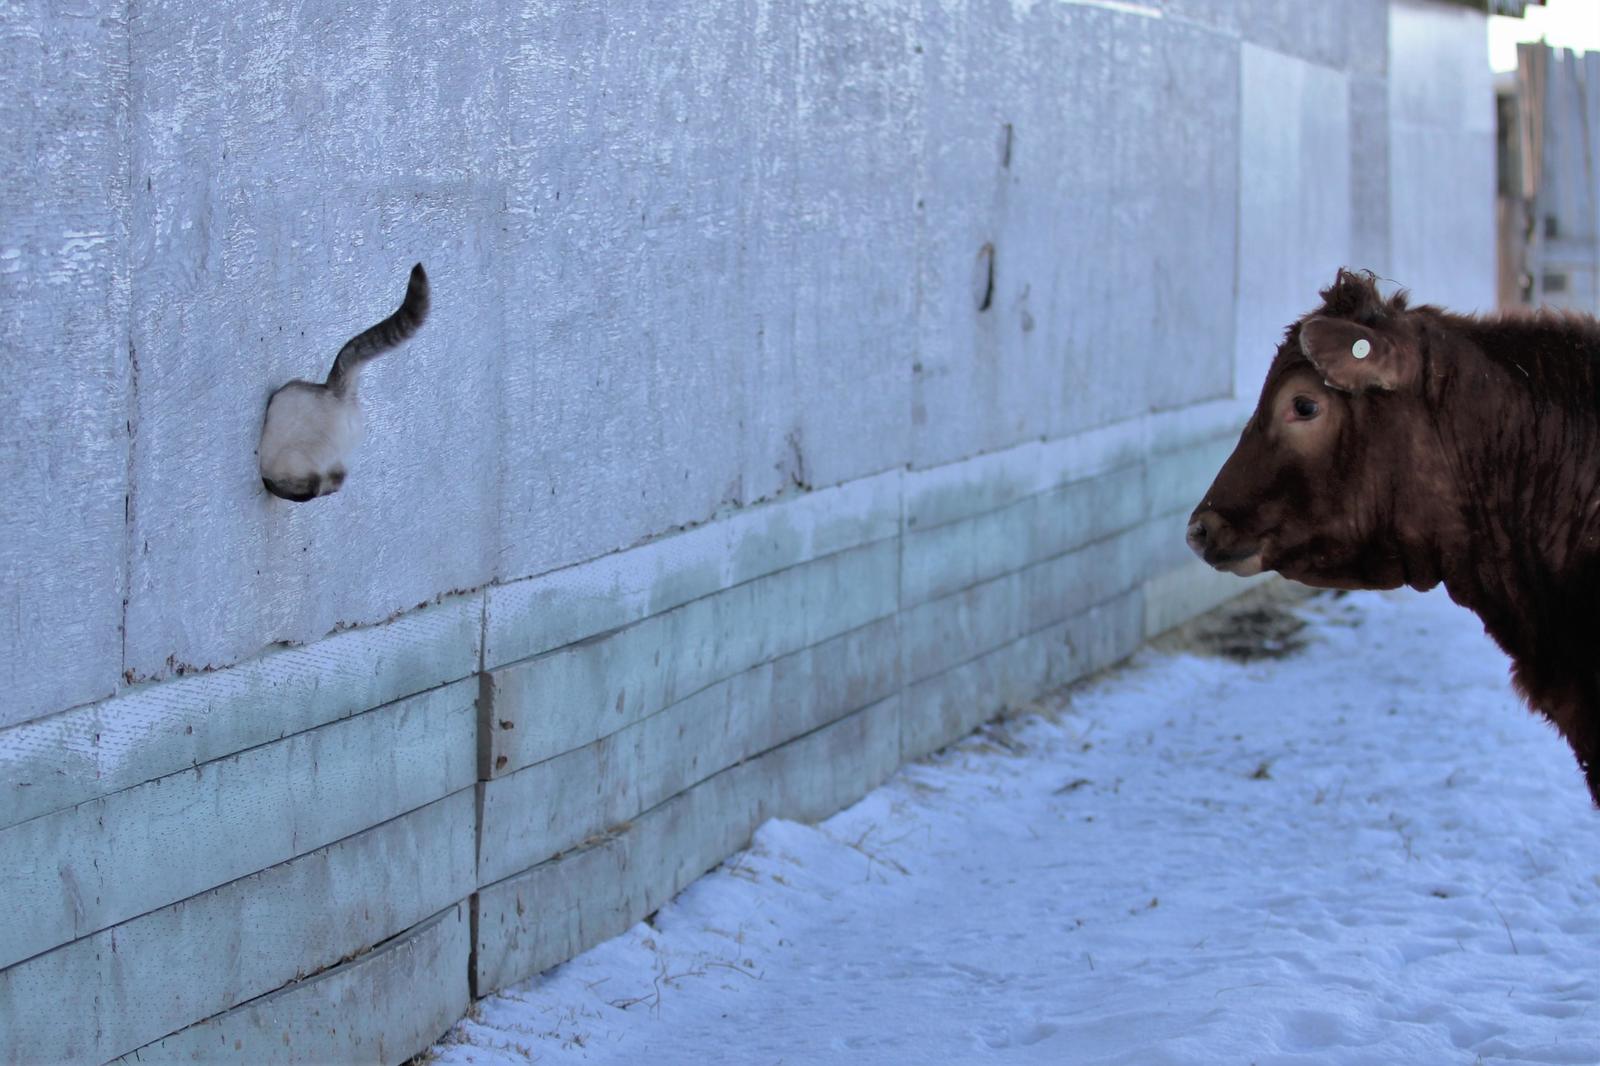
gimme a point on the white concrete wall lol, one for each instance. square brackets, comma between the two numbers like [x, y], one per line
[682, 262]
[1442, 154]
[730, 493]
[1295, 206]
[65, 411]
[1110, 219]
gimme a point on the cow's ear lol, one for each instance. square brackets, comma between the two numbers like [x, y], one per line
[1354, 358]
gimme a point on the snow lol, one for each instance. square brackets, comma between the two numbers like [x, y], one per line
[1364, 852]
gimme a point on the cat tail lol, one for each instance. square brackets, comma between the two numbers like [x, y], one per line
[387, 334]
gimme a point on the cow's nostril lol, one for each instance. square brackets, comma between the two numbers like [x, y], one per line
[1197, 535]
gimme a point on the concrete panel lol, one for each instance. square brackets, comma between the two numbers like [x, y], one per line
[384, 1007]
[1175, 596]
[1166, 543]
[948, 706]
[1444, 216]
[622, 392]
[134, 983]
[1430, 80]
[835, 237]
[1346, 35]
[159, 729]
[1442, 154]
[1176, 481]
[696, 333]
[825, 771]
[528, 617]
[64, 388]
[1014, 161]
[84, 868]
[1369, 175]
[288, 169]
[553, 806]
[1177, 280]
[557, 702]
[1444, 240]
[1312, 32]
[1065, 586]
[985, 483]
[948, 631]
[944, 559]
[1294, 199]
[1198, 424]
[1221, 16]
[936, 562]
[534, 920]
[960, 627]
[1110, 218]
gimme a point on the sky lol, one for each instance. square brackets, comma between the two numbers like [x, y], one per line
[1571, 24]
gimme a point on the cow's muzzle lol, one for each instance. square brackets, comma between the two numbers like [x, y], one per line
[1212, 539]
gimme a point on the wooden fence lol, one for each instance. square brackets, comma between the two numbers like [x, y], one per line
[1549, 189]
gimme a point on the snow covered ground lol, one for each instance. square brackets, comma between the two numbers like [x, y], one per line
[1364, 852]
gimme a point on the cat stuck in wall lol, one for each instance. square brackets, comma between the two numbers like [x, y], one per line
[312, 430]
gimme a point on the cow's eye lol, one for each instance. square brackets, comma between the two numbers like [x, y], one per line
[1305, 407]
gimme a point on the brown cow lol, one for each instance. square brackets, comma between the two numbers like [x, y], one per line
[1397, 445]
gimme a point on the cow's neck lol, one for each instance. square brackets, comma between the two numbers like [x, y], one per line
[1523, 440]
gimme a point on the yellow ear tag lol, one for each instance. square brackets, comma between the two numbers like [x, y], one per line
[1361, 348]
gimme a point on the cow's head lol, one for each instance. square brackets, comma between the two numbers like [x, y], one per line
[1318, 486]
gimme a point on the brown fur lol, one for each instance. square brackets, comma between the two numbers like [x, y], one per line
[1460, 449]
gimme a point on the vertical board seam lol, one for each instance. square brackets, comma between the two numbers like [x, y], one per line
[132, 373]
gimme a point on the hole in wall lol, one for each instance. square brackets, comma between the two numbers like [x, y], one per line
[983, 277]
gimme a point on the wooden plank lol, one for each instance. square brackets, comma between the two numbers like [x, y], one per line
[950, 492]
[823, 772]
[1063, 587]
[159, 729]
[77, 871]
[1078, 514]
[1168, 543]
[555, 703]
[556, 804]
[1179, 479]
[383, 1007]
[962, 553]
[948, 706]
[986, 483]
[959, 627]
[527, 618]
[123, 987]
[953, 629]
[957, 555]
[536, 919]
